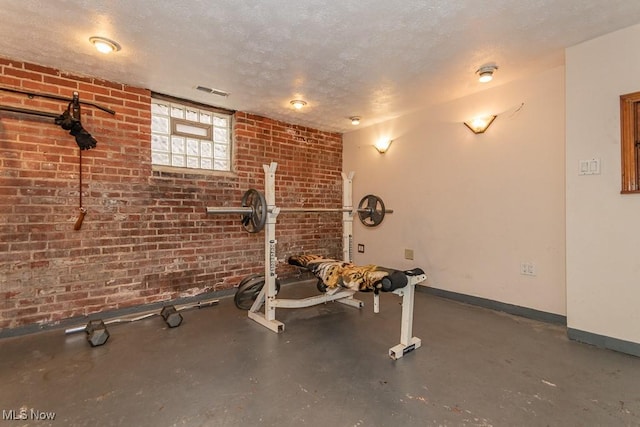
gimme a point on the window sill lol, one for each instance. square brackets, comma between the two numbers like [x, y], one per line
[190, 171]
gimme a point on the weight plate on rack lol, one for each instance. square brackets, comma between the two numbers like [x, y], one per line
[371, 210]
[255, 221]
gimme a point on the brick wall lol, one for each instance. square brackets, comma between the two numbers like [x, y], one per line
[146, 236]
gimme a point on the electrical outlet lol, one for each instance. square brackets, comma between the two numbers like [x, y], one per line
[360, 248]
[523, 268]
[531, 269]
[408, 254]
[528, 269]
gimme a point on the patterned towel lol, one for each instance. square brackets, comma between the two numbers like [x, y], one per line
[334, 273]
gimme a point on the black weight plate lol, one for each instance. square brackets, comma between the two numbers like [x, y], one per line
[255, 221]
[248, 292]
[247, 278]
[371, 210]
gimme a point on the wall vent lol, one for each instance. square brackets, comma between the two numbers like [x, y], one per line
[212, 91]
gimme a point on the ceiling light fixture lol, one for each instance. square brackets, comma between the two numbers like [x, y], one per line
[480, 124]
[355, 120]
[104, 45]
[485, 73]
[298, 104]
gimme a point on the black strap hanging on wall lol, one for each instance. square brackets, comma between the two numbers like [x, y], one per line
[68, 120]
[83, 210]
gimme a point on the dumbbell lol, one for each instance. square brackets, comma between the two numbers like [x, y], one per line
[97, 333]
[171, 316]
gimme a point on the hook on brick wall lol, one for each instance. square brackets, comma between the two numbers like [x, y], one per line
[70, 120]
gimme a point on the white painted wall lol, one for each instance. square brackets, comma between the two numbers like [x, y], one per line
[473, 207]
[603, 226]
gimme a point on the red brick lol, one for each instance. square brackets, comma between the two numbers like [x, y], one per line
[146, 237]
[22, 74]
[40, 69]
[61, 82]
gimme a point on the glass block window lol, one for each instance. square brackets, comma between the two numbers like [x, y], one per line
[185, 136]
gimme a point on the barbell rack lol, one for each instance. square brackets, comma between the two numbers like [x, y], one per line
[255, 209]
[264, 212]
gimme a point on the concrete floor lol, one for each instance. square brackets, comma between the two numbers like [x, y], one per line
[330, 367]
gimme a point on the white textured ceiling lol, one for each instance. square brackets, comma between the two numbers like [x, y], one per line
[372, 58]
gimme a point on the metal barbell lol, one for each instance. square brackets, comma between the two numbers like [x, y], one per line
[254, 210]
[96, 329]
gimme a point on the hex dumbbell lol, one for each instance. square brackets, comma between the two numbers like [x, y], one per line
[96, 329]
[97, 333]
[171, 316]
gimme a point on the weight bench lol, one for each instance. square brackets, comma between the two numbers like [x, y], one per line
[262, 293]
[334, 275]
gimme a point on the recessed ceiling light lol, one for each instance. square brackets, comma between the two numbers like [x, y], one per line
[104, 45]
[355, 120]
[298, 103]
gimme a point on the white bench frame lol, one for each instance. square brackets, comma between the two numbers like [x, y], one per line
[268, 299]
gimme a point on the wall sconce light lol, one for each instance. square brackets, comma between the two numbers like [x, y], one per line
[480, 124]
[485, 73]
[355, 120]
[298, 104]
[382, 145]
[104, 45]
